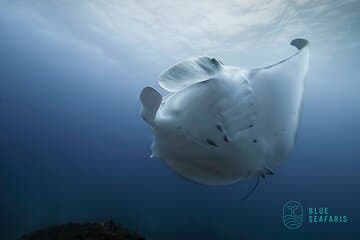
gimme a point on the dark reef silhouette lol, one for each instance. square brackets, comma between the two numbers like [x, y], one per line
[107, 230]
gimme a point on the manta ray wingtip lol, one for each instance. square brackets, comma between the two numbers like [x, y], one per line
[299, 43]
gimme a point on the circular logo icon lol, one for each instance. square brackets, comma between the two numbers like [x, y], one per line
[292, 215]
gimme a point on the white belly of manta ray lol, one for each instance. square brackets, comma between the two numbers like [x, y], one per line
[221, 124]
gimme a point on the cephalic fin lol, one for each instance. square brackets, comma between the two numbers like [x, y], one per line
[151, 100]
[189, 72]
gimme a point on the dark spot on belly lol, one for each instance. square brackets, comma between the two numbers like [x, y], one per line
[254, 140]
[226, 139]
[250, 125]
[219, 127]
[211, 142]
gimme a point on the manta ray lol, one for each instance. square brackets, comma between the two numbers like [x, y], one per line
[220, 124]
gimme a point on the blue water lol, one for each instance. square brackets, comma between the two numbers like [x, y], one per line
[73, 147]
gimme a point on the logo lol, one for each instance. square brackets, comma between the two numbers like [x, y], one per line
[292, 215]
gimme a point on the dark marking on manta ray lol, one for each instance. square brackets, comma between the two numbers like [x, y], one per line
[226, 139]
[269, 171]
[254, 141]
[219, 127]
[213, 61]
[251, 125]
[211, 142]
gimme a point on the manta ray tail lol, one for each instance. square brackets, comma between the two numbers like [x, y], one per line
[252, 189]
[151, 100]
